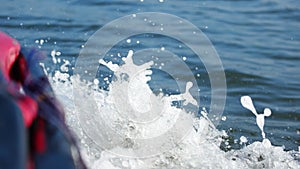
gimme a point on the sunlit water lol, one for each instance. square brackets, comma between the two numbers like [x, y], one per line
[258, 42]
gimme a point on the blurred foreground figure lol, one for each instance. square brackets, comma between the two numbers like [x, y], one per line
[33, 133]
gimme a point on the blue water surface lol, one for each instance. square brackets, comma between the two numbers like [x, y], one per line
[258, 42]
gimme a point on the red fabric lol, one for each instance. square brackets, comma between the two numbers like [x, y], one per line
[28, 108]
[40, 137]
[9, 50]
[14, 69]
[19, 70]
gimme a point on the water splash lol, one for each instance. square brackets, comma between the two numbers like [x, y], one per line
[260, 118]
[199, 149]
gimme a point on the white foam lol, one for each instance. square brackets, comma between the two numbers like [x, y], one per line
[199, 149]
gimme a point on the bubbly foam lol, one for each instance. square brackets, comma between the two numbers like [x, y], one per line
[200, 148]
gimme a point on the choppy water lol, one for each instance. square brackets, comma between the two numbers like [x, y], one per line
[258, 42]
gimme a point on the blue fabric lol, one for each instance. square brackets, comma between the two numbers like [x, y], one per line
[12, 132]
[58, 152]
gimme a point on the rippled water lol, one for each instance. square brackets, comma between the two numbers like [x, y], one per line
[258, 42]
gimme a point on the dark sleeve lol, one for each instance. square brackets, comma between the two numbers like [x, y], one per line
[58, 151]
[12, 134]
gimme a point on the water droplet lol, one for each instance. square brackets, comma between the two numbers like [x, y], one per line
[243, 139]
[42, 42]
[223, 117]
[96, 81]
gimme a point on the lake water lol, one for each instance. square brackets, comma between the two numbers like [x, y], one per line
[257, 41]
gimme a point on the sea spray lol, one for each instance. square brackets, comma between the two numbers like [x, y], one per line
[199, 149]
[246, 101]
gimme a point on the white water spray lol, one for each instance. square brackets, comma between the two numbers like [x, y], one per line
[260, 118]
[199, 149]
